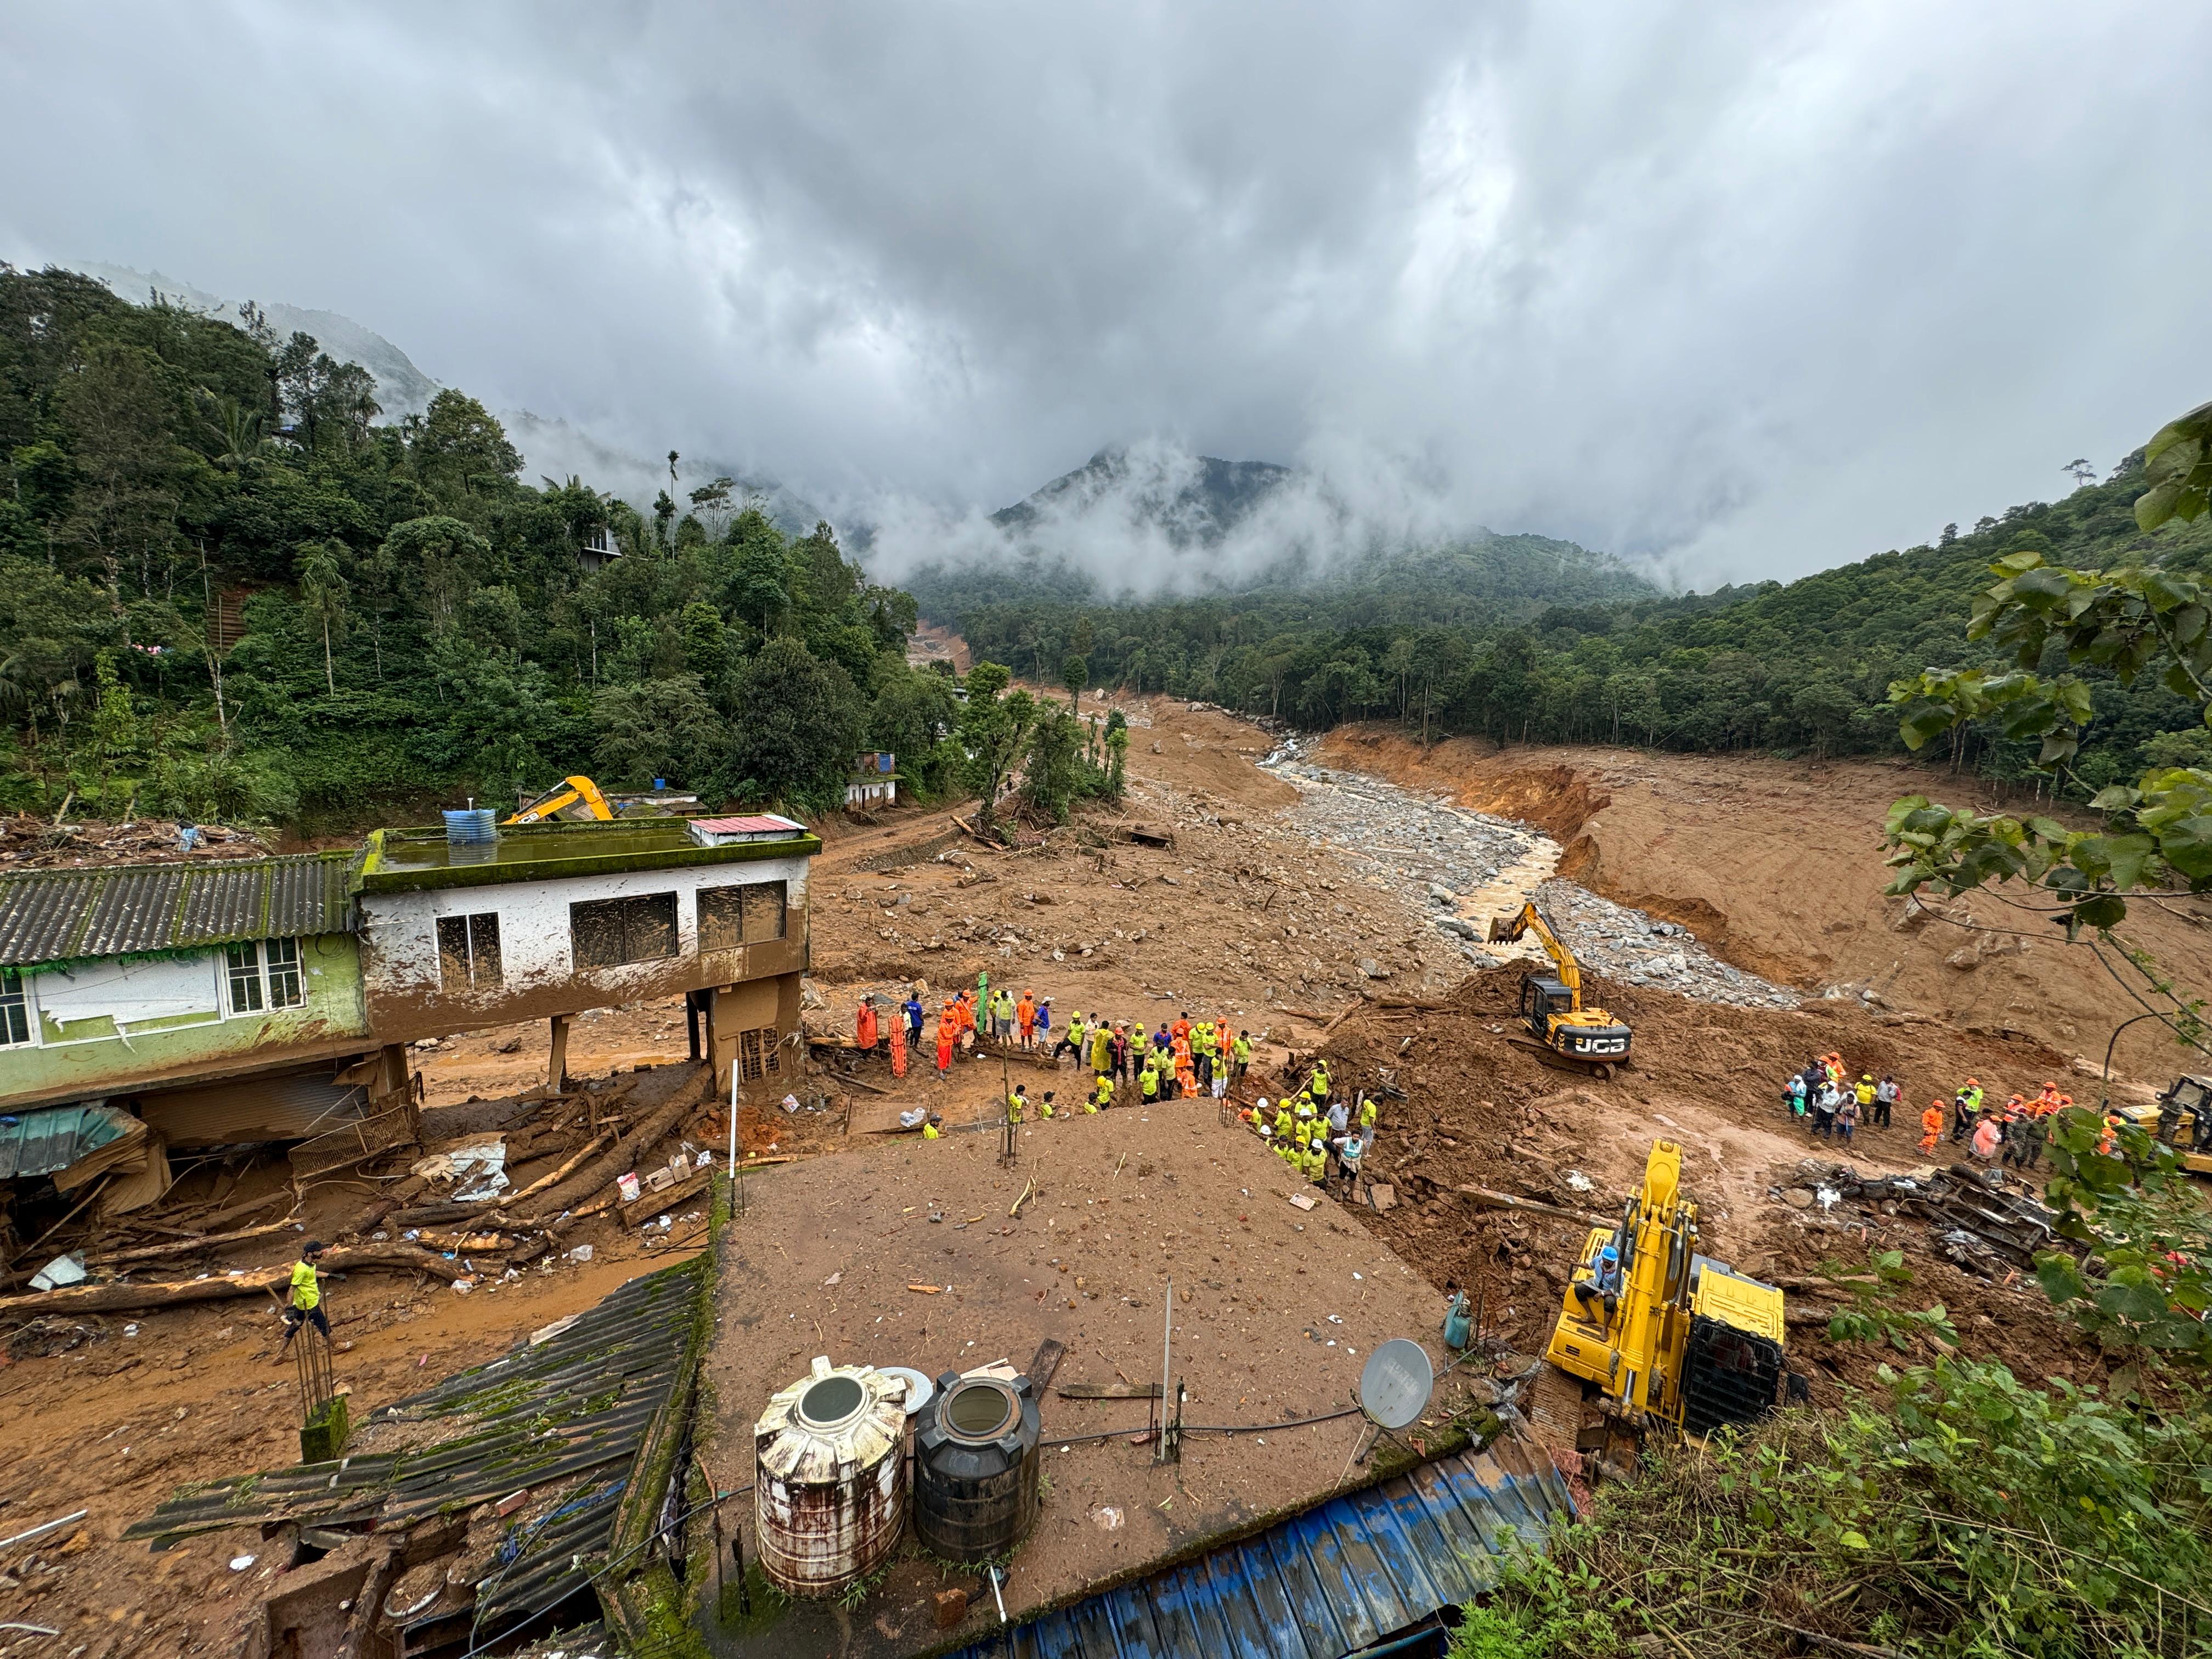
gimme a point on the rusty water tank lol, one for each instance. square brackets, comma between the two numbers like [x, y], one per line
[830, 1492]
[975, 1466]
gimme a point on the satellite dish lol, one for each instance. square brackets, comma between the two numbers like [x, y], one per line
[1395, 1385]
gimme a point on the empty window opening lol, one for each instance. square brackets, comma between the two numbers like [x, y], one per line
[608, 932]
[752, 914]
[468, 952]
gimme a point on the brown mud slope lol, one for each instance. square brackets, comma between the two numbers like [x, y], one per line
[1481, 1111]
[1777, 865]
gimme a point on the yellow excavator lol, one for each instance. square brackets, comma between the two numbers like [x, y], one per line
[577, 798]
[1589, 1039]
[1669, 1334]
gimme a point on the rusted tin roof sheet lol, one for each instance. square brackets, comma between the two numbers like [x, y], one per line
[1324, 1584]
[565, 1413]
[112, 910]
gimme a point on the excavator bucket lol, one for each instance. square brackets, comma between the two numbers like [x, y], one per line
[1504, 928]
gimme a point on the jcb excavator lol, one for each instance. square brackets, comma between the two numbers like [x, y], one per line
[1666, 1332]
[576, 798]
[1589, 1039]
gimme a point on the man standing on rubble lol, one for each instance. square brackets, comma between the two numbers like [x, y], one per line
[1887, 1094]
[307, 1308]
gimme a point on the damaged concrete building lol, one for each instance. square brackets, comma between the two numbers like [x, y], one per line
[271, 999]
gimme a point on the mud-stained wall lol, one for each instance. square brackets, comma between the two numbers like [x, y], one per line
[412, 992]
[99, 1030]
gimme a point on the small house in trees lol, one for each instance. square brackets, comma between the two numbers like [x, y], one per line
[873, 780]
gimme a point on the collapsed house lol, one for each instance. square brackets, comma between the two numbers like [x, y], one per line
[193, 1004]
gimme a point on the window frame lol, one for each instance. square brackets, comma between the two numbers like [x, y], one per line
[263, 969]
[483, 958]
[623, 908]
[19, 1028]
[242, 963]
[747, 896]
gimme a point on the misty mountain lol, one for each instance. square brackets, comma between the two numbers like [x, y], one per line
[550, 449]
[1154, 520]
[401, 388]
[1194, 506]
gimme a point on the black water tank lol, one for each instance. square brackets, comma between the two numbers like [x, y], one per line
[976, 1468]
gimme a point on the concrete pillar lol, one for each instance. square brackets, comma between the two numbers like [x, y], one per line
[556, 1062]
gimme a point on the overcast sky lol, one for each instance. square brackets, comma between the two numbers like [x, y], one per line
[1745, 289]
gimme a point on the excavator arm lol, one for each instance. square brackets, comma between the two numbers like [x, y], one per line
[570, 792]
[1505, 930]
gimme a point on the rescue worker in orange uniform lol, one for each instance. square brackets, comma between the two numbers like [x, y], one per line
[1931, 1126]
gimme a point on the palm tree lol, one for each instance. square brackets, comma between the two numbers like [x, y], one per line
[323, 592]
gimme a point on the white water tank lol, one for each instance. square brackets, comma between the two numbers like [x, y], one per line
[829, 1491]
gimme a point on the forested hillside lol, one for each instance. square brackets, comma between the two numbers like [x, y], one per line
[1805, 666]
[226, 591]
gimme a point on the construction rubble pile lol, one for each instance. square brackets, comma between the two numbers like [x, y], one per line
[1981, 1220]
[29, 843]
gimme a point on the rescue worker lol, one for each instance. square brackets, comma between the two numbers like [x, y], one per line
[1320, 1079]
[864, 1026]
[1044, 1108]
[1002, 1015]
[1340, 1117]
[1864, 1090]
[929, 1127]
[1284, 1124]
[898, 1047]
[2033, 1133]
[1366, 1112]
[914, 1020]
[944, 1047]
[1931, 1126]
[1075, 1040]
[1887, 1094]
[1017, 1105]
[1240, 1058]
[1102, 1095]
[1962, 1114]
[1025, 1019]
[1101, 1048]
[1148, 1083]
[1141, 1046]
[1044, 1022]
[307, 1304]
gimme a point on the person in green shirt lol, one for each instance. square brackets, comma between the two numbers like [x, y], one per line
[307, 1306]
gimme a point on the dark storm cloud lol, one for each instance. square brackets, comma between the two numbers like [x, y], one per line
[1742, 288]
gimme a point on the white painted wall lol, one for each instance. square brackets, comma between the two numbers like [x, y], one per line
[400, 930]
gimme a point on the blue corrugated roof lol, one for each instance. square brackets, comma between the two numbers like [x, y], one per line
[1322, 1584]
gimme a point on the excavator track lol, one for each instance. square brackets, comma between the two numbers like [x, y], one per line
[1601, 1069]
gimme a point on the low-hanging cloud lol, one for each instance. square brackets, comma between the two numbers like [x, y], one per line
[1735, 288]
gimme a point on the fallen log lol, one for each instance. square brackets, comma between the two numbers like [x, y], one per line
[189, 1246]
[1493, 1200]
[862, 1083]
[602, 1172]
[123, 1298]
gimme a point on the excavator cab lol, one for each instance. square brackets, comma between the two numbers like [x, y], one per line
[1583, 1034]
[1566, 1032]
[1666, 1331]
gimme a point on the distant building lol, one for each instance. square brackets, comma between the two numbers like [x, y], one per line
[599, 546]
[873, 780]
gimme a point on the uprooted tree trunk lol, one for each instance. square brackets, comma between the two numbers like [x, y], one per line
[122, 1298]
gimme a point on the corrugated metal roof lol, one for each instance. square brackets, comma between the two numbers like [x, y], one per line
[758, 823]
[1324, 1584]
[41, 1142]
[111, 910]
[567, 1413]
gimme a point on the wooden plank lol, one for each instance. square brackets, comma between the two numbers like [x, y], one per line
[1110, 1391]
[649, 1204]
[1044, 1363]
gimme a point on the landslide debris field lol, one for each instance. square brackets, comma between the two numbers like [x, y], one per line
[1329, 897]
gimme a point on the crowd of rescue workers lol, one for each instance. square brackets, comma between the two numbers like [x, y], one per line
[2012, 1133]
[1184, 1059]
